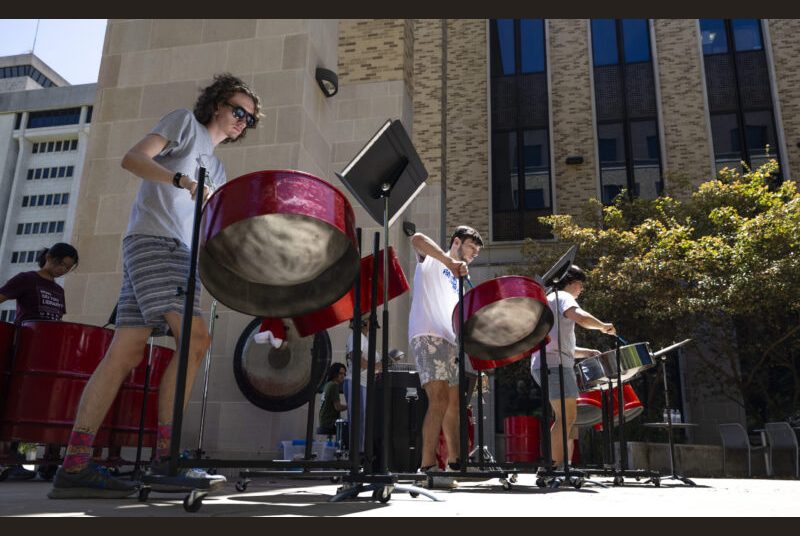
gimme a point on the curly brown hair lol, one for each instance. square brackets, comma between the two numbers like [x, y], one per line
[224, 87]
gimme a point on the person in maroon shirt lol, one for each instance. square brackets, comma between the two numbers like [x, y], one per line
[39, 297]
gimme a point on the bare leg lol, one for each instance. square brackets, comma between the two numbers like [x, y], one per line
[450, 425]
[438, 393]
[556, 443]
[125, 352]
[198, 344]
[572, 430]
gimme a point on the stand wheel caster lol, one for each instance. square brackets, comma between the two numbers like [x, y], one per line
[144, 493]
[618, 481]
[413, 494]
[555, 483]
[335, 479]
[656, 482]
[540, 482]
[382, 494]
[513, 478]
[241, 485]
[577, 482]
[193, 501]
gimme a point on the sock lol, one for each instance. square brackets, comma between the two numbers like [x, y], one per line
[79, 451]
[163, 438]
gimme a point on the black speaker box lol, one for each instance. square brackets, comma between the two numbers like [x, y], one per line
[408, 405]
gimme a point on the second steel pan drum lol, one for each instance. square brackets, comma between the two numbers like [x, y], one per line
[281, 379]
[504, 318]
[52, 364]
[342, 310]
[278, 244]
[125, 425]
[633, 359]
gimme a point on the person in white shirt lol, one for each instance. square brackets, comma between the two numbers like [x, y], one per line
[569, 288]
[432, 339]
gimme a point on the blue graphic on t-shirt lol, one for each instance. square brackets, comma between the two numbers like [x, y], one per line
[451, 278]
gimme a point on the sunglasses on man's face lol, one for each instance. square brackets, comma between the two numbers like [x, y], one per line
[241, 114]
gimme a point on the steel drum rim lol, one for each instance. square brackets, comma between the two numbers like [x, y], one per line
[500, 288]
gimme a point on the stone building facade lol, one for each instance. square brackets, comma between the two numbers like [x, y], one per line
[433, 75]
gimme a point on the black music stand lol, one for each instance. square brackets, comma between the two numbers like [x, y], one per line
[385, 177]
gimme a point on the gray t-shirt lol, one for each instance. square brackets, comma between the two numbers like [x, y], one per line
[161, 209]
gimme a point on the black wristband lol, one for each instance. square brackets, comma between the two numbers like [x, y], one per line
[176, 180]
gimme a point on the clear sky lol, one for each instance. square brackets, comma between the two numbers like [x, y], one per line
[71, 47]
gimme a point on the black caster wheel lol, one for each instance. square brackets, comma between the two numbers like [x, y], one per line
[541, 483]
[192, 506]
[513, 478]
[47, 473]
[193, 502]
[506, 484]
[144, 493]
[4, 473]
[657, 482]
[241, 485]
[618, 481]
[577, 483]
[114, 471]
[413, 494]
[384, 495]
[335, 479]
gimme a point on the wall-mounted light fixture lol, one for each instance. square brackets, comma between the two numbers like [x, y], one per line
[328, 81]
[409, 228]
[574, 160]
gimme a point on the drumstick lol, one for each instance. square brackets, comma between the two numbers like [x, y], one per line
[620, 339]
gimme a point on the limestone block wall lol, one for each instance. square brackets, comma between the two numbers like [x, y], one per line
[785, 42]
[150, 67]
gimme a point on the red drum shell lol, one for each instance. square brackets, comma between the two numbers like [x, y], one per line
[342, 310]
[6, 348]
[504, 319]
[52, 364]
[125, 427]
[278, 244]
[590, 404]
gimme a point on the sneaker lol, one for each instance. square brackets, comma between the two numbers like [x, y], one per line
[92, 482]
[187, 478]
[17, 472]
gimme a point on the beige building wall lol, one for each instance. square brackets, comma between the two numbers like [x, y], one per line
[684, 113]
[785, 42]
[150, 67]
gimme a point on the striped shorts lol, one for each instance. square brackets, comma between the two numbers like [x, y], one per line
[153, 282]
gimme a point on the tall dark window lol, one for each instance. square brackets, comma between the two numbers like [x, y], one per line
[627, 124]
[520, 129]
[739, 97]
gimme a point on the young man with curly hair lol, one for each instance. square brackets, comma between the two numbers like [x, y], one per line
[156, 257]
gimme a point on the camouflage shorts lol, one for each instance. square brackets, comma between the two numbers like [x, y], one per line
[435, 358]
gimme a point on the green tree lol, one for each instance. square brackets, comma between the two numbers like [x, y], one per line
[721, 265]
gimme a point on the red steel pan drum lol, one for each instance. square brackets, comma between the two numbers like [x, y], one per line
[590, 406]
[6, 347]
[278, 244]
[504, 319]
[125, 426]
[53, 362]
[342, 310]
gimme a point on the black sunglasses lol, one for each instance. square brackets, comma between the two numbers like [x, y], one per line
[240, 113]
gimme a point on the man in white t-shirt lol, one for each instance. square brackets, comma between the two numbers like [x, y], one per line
[348, 381]
[568, 313]
[431, 337]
